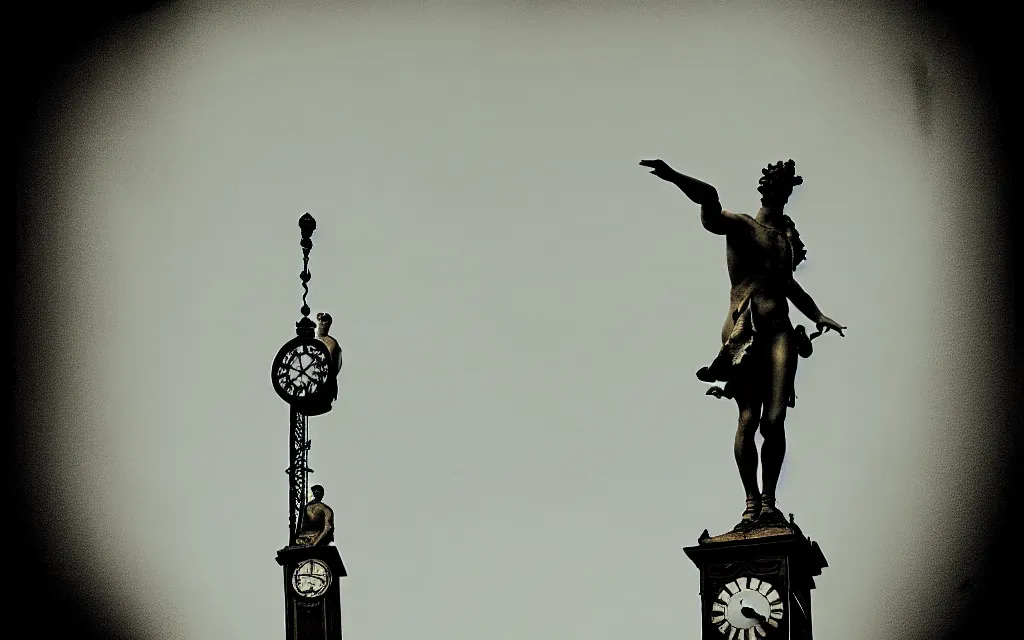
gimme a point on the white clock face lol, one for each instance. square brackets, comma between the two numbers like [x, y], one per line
[301, 371]
[311, 578]
[747, 609]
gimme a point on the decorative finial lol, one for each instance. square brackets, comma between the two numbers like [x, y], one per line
[305, 326]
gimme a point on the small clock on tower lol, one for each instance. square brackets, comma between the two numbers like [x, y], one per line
[757, 584]
[311, 578]
[747, 608]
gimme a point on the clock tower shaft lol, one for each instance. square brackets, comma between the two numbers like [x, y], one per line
[312, 618]
[298, 472]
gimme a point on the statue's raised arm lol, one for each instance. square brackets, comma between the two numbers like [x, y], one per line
[712, 216]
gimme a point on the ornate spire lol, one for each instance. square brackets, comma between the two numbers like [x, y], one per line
[305, 326]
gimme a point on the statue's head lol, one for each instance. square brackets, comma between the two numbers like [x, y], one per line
[777, 182]
[323, 322]
[318, 491]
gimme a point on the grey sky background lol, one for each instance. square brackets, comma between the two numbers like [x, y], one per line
[520, 447]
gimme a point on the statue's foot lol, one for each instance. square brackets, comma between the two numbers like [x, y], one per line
[745, 526]
[769, 516]
[749, 520]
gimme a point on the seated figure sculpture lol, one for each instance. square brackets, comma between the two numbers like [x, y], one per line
[317, 527]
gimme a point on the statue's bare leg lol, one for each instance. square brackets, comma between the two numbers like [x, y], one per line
[745, 449]
[782, 370]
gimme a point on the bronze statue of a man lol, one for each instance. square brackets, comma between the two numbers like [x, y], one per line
[323, 327]
[760, 345]
[317, 527]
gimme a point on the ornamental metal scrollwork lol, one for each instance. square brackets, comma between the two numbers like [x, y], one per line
[757, 568]
[298, 473]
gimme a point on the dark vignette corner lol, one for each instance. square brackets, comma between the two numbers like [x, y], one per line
[46, 40]
[984, 27]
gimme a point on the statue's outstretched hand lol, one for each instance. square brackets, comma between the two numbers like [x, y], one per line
[659, 168]
[825, 324]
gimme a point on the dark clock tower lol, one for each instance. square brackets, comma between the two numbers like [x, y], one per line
[312, 592]
[304, 374]
[757, 584]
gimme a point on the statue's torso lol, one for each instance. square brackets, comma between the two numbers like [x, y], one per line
[314, 520]
[760, 262]
[315, 523]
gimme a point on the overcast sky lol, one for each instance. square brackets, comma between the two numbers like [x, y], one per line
[520, 447]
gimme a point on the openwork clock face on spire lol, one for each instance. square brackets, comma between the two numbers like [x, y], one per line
[301, 370]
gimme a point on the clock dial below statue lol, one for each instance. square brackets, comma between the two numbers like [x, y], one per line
[311, 578]
[747, 609]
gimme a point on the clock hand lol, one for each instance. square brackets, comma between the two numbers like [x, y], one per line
[751, 613]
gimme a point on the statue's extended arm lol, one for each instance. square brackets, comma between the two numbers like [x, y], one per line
[803, 301]
[712, 216]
